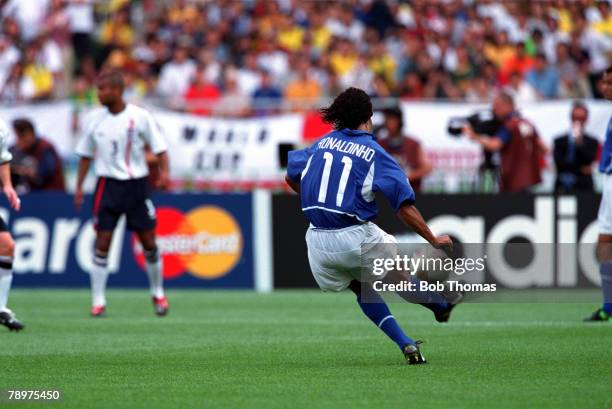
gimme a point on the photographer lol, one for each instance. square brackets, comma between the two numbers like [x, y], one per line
[36, 164]
[405, 150]
[518, 144]
[574, 153]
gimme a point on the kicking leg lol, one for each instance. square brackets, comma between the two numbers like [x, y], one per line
[153, 265]
[604, 255]
[604, 252]
[7, 249]
[99, 272]
[386, 248]
[431, 300]
[375, 308]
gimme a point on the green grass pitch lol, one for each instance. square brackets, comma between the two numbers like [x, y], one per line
[301, 349]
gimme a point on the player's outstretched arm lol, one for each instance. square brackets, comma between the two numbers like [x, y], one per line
[295, 186]
[84, 164]
[410, 215]
[7, 186]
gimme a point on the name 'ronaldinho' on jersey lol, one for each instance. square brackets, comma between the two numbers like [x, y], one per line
[352, 148]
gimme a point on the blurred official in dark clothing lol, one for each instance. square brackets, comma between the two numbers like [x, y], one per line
[36, 164]
[574, 153]
[405, 150]
[518, 143]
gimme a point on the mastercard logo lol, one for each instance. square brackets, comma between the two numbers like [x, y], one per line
[205, 242]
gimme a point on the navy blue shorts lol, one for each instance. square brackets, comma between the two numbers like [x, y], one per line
[114, 198]
[3, 226]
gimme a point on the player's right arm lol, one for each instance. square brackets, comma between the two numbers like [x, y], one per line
[84, 164]
[85, 149]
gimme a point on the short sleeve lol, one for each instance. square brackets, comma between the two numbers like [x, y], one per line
[391, 181]
[153, 134]
[5, 155]
[86, 146]
[297, 162]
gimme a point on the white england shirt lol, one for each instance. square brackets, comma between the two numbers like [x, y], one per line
[5, 155]
[117, 141]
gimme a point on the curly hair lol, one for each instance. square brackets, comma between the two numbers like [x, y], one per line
[349, 110]
[113, 76]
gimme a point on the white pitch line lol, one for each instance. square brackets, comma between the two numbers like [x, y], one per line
[576, 323]
[406, 321]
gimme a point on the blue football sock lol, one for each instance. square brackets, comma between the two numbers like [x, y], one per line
[606, 285]
[375, 308]
[428, 299]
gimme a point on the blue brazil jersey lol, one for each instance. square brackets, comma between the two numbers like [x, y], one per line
[339, 176]
[605, 164]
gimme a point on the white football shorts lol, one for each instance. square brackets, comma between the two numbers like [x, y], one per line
[604, 217]
[335, 256]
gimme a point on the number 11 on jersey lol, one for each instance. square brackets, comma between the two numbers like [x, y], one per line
[329, 159]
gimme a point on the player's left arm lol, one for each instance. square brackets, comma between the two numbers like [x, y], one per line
[297, 166]
[85, 149]
[155, 139]
[295, 186]
[164, 172]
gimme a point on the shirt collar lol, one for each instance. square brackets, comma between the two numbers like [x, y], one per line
[357, 132]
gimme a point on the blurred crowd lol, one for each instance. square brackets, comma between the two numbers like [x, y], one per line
[238, 58]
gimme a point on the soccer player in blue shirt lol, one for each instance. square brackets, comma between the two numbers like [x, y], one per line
[337, 179]
[604, 242]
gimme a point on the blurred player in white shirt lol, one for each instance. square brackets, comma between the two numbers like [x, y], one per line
[7, 245]
[118, 136]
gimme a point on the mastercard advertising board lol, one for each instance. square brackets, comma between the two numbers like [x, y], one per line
[205, 240]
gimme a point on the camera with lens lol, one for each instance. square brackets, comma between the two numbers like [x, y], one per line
[483, 122]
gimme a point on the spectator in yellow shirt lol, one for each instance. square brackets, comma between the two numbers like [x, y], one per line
[268, 17]
[117, 31]
[180, 11]
[114, 5]
[302, 93]
[343, 59]
[499, 51]
[290, 35]
[38, 75]
[382, 64]
[604, 26]
[565, 20]
[321, 35]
